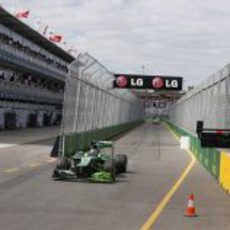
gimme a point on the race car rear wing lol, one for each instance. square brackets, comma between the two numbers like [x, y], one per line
[213, 138]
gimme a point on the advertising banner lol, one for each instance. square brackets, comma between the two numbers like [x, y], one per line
[147, 82]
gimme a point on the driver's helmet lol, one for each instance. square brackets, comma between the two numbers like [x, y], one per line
[92, 152]
[94, 144]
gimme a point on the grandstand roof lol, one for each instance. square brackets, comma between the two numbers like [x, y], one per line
[18, 26]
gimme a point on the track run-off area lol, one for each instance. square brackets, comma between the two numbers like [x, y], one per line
[151, 195]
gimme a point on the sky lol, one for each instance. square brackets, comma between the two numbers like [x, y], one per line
[158, 37]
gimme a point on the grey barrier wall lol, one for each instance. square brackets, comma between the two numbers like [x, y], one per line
[91, 104]
[209, 101]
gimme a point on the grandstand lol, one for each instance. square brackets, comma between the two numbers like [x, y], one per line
[32, 75]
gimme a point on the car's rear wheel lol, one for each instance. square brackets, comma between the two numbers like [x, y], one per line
[122, 161]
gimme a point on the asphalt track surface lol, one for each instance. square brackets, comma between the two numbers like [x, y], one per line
[30, 199]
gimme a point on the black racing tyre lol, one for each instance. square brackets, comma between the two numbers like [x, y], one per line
[121, 163]
[110, 166]
[63, 163]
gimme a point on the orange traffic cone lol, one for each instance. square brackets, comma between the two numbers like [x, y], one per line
[191, 211]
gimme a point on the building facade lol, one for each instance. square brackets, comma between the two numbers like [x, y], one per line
[32, 76]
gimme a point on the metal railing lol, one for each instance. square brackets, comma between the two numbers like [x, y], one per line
[208, 102]
[91, 103]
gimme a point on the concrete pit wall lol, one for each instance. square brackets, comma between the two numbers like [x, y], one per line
[81, 141]
[217, 162]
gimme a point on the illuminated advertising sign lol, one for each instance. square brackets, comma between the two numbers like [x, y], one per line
[147, 82]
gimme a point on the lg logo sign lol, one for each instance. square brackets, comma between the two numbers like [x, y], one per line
[173, 84]
[148, 82]
[136, 82]
[159, 83]
[122, 81]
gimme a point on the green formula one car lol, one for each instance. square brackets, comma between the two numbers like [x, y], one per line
[93, 165]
